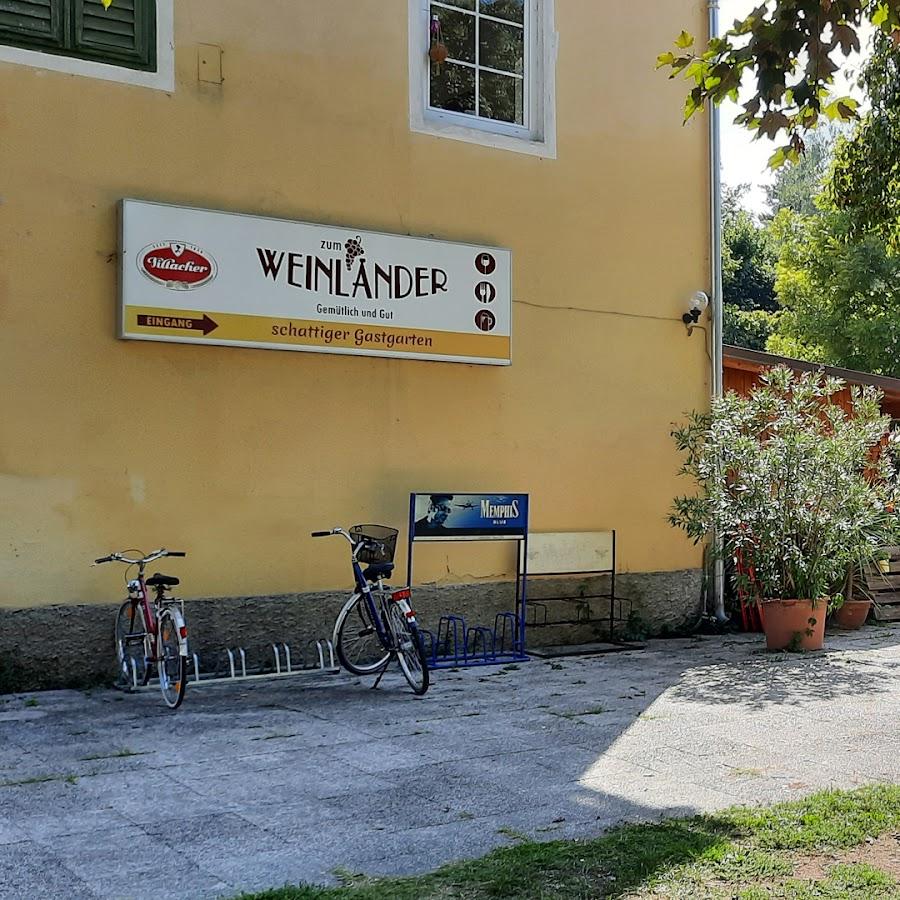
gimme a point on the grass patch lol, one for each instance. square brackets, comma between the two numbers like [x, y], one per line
[749, 854]
[834, 819]
[39, 779]
[862, 876]
[513, 834]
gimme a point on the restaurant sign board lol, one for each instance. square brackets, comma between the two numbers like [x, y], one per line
[206, 277]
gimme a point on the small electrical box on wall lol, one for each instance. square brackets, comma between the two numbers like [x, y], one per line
[209, 63]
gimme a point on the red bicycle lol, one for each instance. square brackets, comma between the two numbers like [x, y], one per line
[151, 632]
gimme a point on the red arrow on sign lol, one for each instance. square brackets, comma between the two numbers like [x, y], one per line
[183, 323]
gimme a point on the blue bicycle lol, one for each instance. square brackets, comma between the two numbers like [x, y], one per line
[377, 623]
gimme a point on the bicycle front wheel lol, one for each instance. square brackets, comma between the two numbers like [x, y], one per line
[171, 664]
[132, 644]
[359, 648]
[410, 651]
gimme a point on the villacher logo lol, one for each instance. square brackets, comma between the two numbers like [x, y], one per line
[177, 265]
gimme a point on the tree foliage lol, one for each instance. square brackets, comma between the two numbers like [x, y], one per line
[792, 49]
[781, 343]
[838, 273]
[752, 329]
[748, 275]
[840, 293]
[797, 187]
[834, 229]
[865, 180]
[748, 257]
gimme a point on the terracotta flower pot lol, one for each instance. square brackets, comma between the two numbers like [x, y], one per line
[794, 624]
[852, 614]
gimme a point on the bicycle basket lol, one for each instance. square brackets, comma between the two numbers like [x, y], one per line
[385, 543]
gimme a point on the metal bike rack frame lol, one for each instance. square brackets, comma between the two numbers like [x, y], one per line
[322, 663]
[456, 644]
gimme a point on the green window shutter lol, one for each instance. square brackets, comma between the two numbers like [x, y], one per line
[33, 24]
[124, 34]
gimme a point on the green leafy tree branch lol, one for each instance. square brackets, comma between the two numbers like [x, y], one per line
[791, 48]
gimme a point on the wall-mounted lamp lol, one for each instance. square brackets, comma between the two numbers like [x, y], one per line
[698, 303]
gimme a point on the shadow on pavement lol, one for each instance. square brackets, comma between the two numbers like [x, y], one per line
[285, 781]
[765, 679]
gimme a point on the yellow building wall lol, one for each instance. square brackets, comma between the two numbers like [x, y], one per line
[235, 455]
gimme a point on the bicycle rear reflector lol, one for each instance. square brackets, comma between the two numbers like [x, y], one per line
[403, 594]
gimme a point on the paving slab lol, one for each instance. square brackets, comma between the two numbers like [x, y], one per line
[251, 786]
[29, 870]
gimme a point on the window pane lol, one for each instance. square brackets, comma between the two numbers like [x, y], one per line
[462, 4]
[457, 32]
[454, 89]
[502, 98]
[502, 47]
[513, 10]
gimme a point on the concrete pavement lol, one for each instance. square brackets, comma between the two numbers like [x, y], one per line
[251, 786]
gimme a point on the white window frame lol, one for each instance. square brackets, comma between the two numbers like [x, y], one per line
[538, 135]
[163, 79]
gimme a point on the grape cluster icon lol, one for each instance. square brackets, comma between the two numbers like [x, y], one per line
[353, 249]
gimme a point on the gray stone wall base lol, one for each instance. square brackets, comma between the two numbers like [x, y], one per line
[72, 646]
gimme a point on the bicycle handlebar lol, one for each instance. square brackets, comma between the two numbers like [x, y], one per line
[156, 554]
[356, 544]
[339, 531]
[342, 533]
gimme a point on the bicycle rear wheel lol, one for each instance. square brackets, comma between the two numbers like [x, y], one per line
[410, 652]
[359, 648]
[132, 644]
[171, 664]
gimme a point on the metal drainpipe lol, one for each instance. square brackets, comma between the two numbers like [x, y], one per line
[715, 181]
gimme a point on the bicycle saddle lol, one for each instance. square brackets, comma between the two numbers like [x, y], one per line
[375, 571]
[162, 580]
